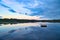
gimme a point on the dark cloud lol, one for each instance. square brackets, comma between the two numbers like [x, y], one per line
[4, 5]
[50, 9]
[11, 10]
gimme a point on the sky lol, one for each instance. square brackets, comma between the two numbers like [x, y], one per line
[30, 9]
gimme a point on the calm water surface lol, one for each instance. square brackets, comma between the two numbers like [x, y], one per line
[30, 31]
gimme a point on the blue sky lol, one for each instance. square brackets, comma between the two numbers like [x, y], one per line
[49, 9]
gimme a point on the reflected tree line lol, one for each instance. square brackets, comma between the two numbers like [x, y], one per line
[12, 21]
[16, 20]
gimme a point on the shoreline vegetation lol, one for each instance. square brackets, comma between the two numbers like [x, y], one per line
[12, 21]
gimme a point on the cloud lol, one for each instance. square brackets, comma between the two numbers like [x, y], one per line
[19, 8]
[33, 4]
[45, 8]
[4, 5]
[12, 10]
[22, 7]
[30, 3]
[52, 9]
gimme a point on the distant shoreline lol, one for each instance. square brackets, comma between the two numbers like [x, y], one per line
[24, 21]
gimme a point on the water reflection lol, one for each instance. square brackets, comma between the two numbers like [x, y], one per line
[25, 24]
[30, 31]
[0, 25]
[11, 31]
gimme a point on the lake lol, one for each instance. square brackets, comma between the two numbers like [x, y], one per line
[30, 31]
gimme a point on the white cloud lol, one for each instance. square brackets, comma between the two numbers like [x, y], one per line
[19, 8]
[32, 4]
